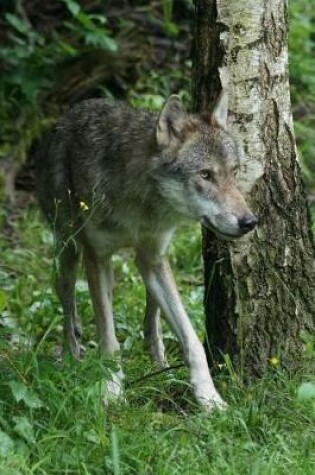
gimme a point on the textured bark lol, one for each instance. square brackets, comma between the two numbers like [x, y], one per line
[260, 291]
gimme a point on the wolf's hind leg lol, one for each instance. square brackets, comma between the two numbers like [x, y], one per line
[101, 280]
[68, 256]
[100, 277]
[153, 332]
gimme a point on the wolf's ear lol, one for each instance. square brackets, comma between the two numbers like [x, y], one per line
[171, 121]
[220, 111]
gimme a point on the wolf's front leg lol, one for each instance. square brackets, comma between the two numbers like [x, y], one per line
[153, 332]
[160, 282]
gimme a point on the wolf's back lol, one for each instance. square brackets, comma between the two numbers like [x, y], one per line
[96, 145]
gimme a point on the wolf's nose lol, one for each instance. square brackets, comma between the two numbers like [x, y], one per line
[247, 222]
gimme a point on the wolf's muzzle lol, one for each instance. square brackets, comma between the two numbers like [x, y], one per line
[247, 222]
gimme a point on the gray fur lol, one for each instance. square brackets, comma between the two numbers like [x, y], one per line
[109, 176]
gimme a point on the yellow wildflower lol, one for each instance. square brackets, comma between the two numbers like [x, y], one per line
[274, 361]
[83, 206]
[221, 365]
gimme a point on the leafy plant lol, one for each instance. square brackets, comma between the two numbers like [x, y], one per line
[170, 27]
[302, 74]
[31, 61]
[89, 27]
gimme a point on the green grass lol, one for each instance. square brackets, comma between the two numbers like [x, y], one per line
[53, 421]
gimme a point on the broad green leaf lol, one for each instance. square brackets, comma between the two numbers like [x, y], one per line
[17, 23]
[6, 444]
[100, 18]
[86, 21]
[109, 44]
[18, 390]
[22, 393]
[69, 49]
[73, 7]
[167, 9]
[101, 40]
[24, 429]
[32, 400]
[92, 436]
[306, 392]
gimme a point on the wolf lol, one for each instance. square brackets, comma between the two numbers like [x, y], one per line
[110, 176]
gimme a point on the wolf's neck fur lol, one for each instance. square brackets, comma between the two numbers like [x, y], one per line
[124, 165]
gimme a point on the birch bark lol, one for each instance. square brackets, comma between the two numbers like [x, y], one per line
[260, 291]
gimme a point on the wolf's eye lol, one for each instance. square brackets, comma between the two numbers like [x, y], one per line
[207, 175]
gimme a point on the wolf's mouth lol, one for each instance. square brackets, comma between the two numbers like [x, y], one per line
[228, 237]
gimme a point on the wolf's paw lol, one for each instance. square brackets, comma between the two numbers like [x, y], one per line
[214, 405]
[212, 402]
[113, 389]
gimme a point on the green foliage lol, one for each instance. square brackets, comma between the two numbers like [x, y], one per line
[302, 74]
[52, 418]
[89, 28]
[170, 27]
[31, 63]
[20, 392]
[302, 49]
[27, 60]
[306, 392]
[150, 91]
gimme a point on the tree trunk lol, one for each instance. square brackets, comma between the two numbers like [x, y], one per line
[260, 290]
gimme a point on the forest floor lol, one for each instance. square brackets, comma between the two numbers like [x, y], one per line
[52, 418]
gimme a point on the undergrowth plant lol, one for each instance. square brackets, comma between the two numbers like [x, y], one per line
[302, 74]
[31, 62]
[52, 414]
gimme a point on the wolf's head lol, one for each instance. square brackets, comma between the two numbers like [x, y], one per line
[196, 167]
